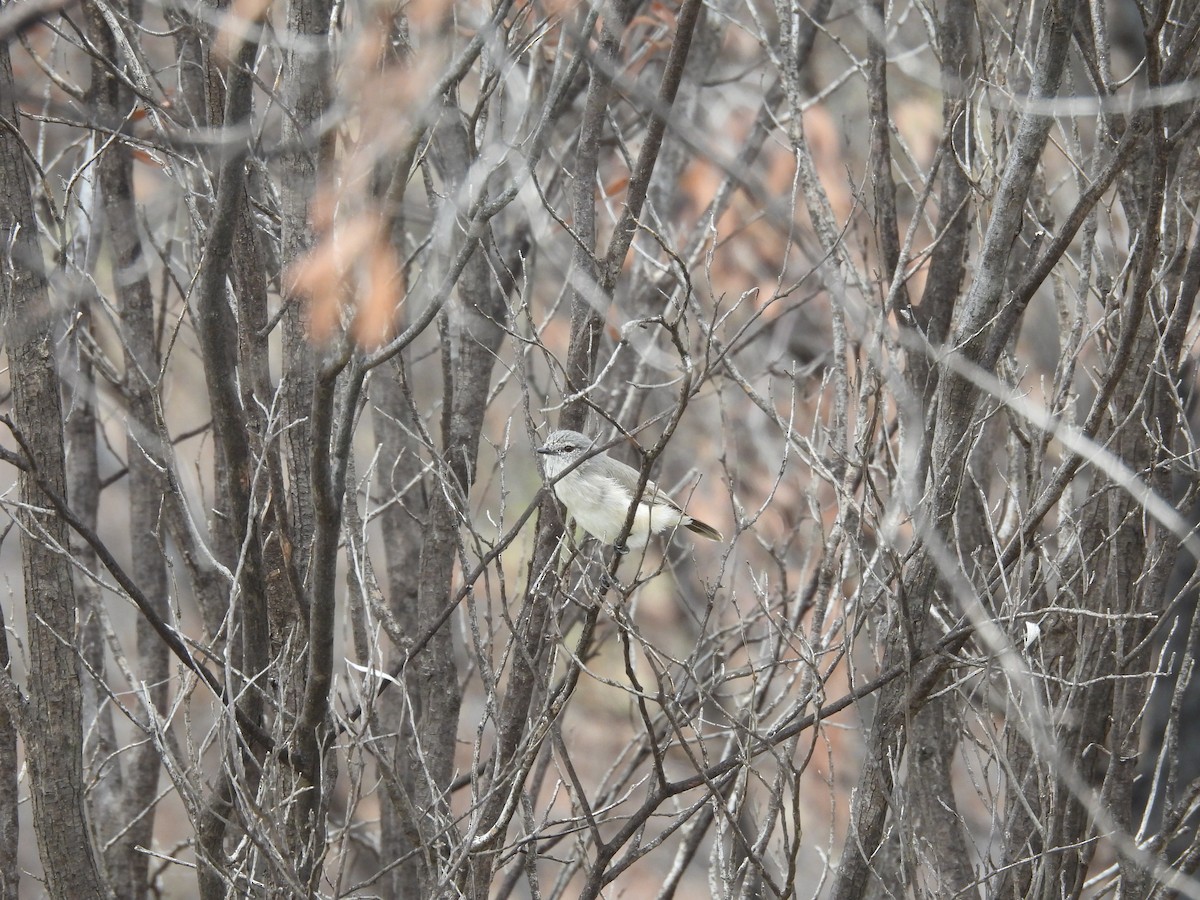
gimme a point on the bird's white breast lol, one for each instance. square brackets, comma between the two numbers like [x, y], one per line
[600, 510]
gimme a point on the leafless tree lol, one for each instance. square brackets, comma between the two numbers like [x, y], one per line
[901, 297]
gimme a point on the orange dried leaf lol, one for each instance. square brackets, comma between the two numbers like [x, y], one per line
[374, 323]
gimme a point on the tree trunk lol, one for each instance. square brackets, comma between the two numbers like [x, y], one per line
[50, 726]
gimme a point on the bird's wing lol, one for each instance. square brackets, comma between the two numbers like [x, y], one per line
[656, 496]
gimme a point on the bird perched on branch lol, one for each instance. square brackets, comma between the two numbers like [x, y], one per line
[597, 494]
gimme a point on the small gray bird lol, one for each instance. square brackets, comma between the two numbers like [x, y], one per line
[597, 494]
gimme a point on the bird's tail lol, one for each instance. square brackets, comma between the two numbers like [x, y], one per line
[703, 529]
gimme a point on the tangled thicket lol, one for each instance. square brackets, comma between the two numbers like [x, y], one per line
[899, 296]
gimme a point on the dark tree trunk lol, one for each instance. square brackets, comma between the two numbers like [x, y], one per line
[50, 722]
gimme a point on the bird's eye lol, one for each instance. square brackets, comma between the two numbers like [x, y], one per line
[569, 448]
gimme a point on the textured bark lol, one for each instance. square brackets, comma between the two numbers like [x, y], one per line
[403, 525]
[956, 414]
[308, 401]
[313, 727]
[83, 487]
[588, 301]
[266, 629]
[982, 342]
[218, 331]
[219, 335]
[936, 728]
[935, 818]
[50, 725]
[956, 32]
[306, 91]
[473, 324]
[127, 864]
[887, 229]
[885, 745]
[210, 841]
[10, 872]
[201, 100]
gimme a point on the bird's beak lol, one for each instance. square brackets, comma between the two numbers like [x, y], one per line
[543, 450]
